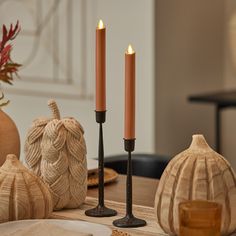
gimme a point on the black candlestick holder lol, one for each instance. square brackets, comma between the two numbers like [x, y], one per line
[129, 221]
[100, 210]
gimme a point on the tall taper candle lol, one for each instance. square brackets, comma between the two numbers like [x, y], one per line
[129, 93]
[100, 67]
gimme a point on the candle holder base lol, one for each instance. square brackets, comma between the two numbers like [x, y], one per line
[129, 222]
[100, 211]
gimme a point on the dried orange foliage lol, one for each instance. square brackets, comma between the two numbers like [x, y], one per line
[7, 67]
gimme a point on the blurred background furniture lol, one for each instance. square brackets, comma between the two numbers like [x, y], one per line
[221, 100]
[146, 165]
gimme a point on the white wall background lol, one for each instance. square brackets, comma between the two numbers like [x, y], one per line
[183, 47]
[189, 61]
[127, 22]
[229, 115]
[196, 53]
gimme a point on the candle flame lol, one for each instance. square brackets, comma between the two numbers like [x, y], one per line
[130, 49]
[100, 24]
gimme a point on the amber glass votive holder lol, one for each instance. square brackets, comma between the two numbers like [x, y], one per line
[199, 218]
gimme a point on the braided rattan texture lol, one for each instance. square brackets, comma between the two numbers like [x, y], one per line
[55, 149]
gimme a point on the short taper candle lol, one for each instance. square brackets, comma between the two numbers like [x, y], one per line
[129, 93]
[100, 67]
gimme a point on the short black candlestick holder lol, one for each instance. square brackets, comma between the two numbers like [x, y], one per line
[129, 221]
[100, 210]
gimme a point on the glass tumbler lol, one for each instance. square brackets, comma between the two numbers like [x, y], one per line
[199, 218]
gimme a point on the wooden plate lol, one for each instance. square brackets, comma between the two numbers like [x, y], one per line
[109, 176]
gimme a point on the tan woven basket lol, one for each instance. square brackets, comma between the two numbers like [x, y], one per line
[109, 176]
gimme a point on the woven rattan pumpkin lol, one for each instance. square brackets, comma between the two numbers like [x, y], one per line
[55, 149]
[197, 173]
[23, 195]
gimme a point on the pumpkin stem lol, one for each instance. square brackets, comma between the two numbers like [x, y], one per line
[54, 109]
[199, 142]
[11, 158]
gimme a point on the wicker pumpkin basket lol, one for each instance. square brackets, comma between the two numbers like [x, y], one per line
[55, 149]
[23, 195]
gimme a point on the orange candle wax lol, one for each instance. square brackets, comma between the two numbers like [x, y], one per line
[100, 67]
[129, 93]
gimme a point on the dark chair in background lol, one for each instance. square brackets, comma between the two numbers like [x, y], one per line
[146, 165]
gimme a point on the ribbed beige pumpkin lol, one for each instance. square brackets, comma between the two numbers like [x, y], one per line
[23, 195]
[197, 173]
[55, 149]
[9, 137]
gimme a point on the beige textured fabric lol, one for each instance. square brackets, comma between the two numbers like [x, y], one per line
[55, 149]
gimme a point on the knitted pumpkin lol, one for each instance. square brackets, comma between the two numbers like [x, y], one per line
[23, 195]
[55, 149]
[198, 173]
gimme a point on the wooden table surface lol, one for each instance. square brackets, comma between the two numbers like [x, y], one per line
[144, 190]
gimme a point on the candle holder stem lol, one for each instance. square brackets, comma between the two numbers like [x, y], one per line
[100, 210]
[129, 221]
[129, 187]
[101, 167]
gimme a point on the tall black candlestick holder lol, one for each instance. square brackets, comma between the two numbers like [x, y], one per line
[129, 221]
[100, 210]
